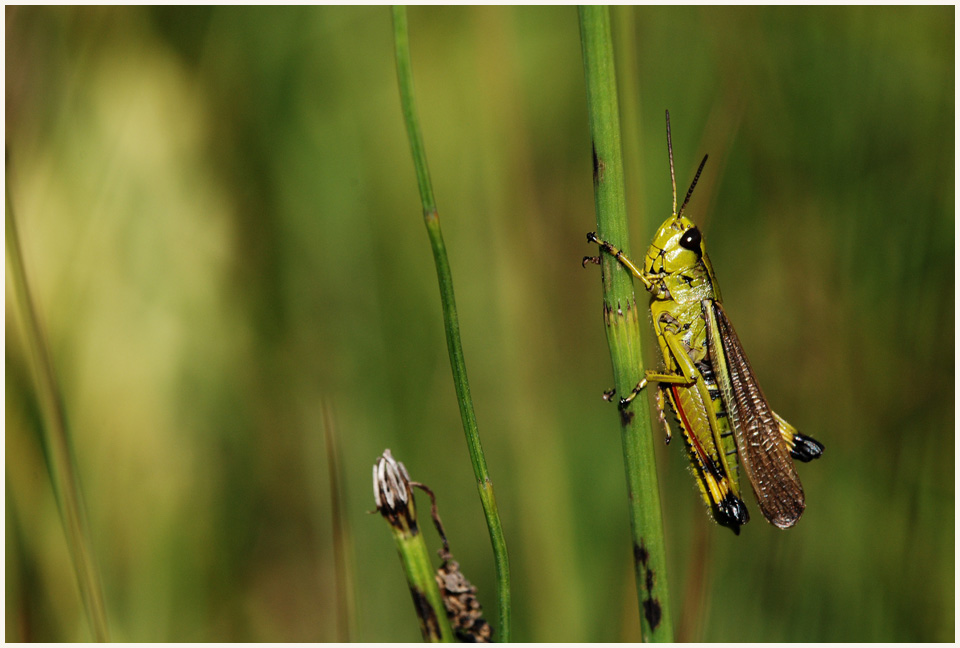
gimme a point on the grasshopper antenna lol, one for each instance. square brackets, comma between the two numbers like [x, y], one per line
[673, 178]
[692, 185]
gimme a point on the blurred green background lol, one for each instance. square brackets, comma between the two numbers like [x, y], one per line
[221, 227]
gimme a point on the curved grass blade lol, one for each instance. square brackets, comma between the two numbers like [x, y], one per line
[450, 320]
[56, 435]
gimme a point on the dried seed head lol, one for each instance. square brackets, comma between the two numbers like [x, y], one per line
[392, 493]
[460, 599]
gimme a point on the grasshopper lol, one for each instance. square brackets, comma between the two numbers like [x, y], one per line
[707, 380]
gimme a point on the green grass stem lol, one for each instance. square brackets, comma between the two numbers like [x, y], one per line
[450, 321]
[393, 495]
[622, 319]
[61, 461]
[419, 571]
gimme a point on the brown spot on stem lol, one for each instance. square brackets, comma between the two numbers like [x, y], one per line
[653, 613]
[607, 313]
[425, 612]
[599, 166]
[640, 554]
[652, 610]
[626, 416]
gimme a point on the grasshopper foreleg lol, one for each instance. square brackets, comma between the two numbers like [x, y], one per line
[618, 254]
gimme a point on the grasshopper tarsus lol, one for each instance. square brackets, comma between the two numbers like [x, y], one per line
[609, 394]
[592, 237]
[592, 259]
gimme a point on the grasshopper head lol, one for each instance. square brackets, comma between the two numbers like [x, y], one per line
[678, 246]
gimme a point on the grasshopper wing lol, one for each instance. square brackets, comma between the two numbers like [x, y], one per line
[764, 455]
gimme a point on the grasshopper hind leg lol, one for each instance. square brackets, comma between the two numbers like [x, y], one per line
[732, 513]
[805, 448]
[802, 448]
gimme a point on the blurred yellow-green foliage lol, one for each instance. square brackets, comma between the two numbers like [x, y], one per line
[221, 227]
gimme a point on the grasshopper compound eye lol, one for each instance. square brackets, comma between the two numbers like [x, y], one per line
[691, 240]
